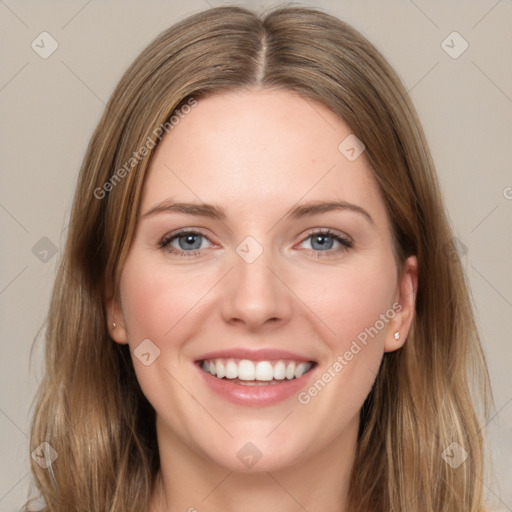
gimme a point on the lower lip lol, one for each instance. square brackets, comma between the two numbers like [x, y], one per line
[257, 396]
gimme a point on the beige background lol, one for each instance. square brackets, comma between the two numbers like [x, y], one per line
[49, 108]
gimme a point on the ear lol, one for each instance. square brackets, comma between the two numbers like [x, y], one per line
[115, 317]
[404, 305]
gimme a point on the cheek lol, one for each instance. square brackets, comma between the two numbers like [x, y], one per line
[353, 312]
[161, 305]
[352, 299]
[157, 299]
[356, 305]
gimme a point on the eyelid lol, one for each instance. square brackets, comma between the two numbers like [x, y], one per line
[328, 232]
[182, 232]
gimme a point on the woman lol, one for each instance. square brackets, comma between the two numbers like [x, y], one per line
[258, 307]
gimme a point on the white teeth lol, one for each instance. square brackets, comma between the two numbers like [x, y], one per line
[279, 370]
[264, 371]
[221, 369]
[301, 369]
[247, 370]
[290, 371]
[231, 369]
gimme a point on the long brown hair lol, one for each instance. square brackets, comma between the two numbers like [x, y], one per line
[90, 409]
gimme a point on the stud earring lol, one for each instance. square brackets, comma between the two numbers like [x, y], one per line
[397, 335]
[114, 325]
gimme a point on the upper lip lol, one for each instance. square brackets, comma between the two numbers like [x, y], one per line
[265, 354]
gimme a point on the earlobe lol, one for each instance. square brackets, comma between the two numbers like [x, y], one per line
[118, 333]
[115, 321]
[400, 325]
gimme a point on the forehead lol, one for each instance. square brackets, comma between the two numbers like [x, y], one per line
[259, 151]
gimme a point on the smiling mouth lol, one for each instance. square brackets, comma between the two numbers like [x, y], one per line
[255, 373]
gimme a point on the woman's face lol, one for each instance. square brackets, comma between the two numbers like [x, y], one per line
[263, 245]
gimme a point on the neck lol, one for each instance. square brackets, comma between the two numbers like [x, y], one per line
[187, 481]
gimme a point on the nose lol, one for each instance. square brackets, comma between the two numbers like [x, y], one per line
[257, 295]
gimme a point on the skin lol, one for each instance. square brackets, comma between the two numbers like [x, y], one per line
[257, 154]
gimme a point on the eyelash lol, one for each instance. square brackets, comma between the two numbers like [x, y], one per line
[346, 243]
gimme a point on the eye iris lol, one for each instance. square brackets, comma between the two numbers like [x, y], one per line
[192, 241]
[324, 241]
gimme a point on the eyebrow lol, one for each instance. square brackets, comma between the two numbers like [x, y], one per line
[199, 209]
[318, 207]
[217, 212]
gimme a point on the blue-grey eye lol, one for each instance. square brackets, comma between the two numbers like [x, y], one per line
[322, 242]
[189, 241]
[185, 243]
[327, 242]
